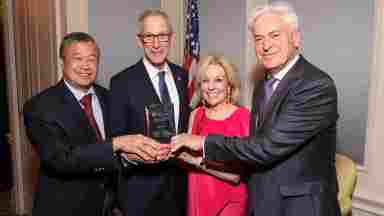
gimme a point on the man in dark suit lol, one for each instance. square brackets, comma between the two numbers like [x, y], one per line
[150, 189]
[68, 124]
[291, 150]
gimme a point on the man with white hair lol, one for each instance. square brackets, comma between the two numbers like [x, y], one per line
[291, 150]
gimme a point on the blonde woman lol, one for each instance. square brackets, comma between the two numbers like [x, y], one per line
[217, 93]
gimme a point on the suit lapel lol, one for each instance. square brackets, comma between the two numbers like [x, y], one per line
[75, 112]
[258, 103]
[282, 89]
[148, 92]
[104, 109]
[180, 89]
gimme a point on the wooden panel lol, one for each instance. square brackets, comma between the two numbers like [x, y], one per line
[35, 64]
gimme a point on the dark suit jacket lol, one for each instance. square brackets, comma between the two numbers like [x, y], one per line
[74, 167]
[291, 150]
[147, 190]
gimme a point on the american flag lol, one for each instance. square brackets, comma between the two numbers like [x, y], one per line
[192, 43]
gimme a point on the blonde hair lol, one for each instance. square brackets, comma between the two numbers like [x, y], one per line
[230, 73]
[284, 9]
[152, 13]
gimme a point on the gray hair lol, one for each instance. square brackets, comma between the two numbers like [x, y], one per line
[284, 9]
[150, 13]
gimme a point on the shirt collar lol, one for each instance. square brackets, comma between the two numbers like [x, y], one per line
[152, 70]
[280, 75]
[77, 93]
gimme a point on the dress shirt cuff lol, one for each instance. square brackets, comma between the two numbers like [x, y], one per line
[126, 162]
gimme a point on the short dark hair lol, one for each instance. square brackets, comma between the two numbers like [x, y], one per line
[76, 37]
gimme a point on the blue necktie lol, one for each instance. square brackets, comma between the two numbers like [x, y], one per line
[164, 94]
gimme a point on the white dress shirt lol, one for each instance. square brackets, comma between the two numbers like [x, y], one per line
[96, 107]
[280, 75]
[171, 85]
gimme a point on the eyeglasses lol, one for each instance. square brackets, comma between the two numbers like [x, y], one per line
[149, 38]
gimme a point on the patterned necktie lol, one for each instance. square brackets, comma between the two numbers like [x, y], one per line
[268, 88]
[86, 101]
[164, 94]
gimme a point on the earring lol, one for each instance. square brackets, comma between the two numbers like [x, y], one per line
[203, 102]
[228, 96]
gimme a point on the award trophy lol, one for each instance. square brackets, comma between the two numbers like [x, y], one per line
[159, 125]
[159, 122]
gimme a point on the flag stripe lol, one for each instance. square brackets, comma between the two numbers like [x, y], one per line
[192, 42]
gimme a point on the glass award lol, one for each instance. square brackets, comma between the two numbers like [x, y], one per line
[159, 122]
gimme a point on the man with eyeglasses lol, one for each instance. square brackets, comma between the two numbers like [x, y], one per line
[158, 186]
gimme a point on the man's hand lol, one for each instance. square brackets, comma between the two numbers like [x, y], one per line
[143, 147]
[162, 154]
[189, 141]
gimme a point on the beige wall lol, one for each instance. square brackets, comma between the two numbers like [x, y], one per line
[77, 15]
[369, 195]
[77, 20]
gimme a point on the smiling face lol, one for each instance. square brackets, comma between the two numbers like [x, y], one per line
[80, 61]
[215, 86]
[156, 52]
[276, 42]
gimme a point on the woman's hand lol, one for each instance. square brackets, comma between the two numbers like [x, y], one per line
[190, 159]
